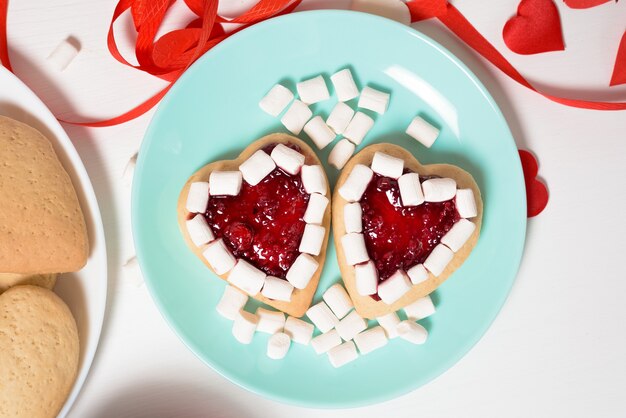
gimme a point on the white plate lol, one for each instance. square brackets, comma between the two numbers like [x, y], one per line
[84, 291]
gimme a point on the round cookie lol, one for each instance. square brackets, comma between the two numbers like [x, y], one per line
[8, 280]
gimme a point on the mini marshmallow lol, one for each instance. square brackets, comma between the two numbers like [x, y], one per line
[438, 259]
[289, 160]
[313, 90]
[345, 87]
[219, 257]
[63, 54]
[410, 189]
[394, 287]
[412, 332]
[366, 277]
[420, 309]
[244, 327]
[316, 209]
[232, 301]
[322, 317]
[422, 131]
[302, 270]
[389, 323]
[314, 179]
[312, 239]
[340, 117]
[341, 153]
[319, 132]
[296, 117]
[343, 354]
[197, 197]
[199, 230]
[439, 189]
[278, 346]
[298, 330]
[352, 217]
[373, 99]
[324, 342]
[358, 127]
[387, 166]
[338, 300]
[225, 183]
[458, 235]
[465, 203]
[257, 167]
[354, 249]
[351, 325]
[356, 183]
[277, 289]
[270, 322]
[418, 274]
[370, 340]
[276, 100]
[246, 277]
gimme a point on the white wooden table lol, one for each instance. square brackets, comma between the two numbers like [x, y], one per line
[558, 348]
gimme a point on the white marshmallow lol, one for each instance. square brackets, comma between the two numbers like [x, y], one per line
[410, 189]
[197, 197]
[458, 235]
[439, 189]
[343, 354]
[345, 87]
[287, 159]
[298, 330]
[199, 230]
[302, 270]
[373, 99]
[276, 100]
[316, 209]
[354, 248]
[465, 203]
[422, 131]
[314, 179]
[312, 239]
[324, 342]
[340, 117]
[394, 287]
[389, 323]
[270, 322]
[438, 259]
[296, 117]
[319, 132]
[278, 346]
[257, 167]
[387, 166]
[244, 327]
[225, 183]
[358, 127]
[366, 277]
[232, 301]
[341, 153]
[418, 274]
[412, 332]
[338, 300]
[352, 217]
[277, 289]
[351, 325]
[322, 317]
[370, 340]
[219, 257]
[246, 277]
[420, 309]
[313, 90]
[63, 54]
[356, 183]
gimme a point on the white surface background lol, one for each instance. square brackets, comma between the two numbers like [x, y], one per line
[558, 348]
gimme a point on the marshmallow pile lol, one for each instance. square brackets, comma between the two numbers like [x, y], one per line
[242, 274]
[412, 193]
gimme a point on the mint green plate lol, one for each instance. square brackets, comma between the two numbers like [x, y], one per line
[212, 113]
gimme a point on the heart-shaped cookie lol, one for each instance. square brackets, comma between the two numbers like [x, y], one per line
[389, 222]
[262, 221]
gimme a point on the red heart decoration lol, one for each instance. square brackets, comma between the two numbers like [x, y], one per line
[536, 191]
[619, 71]
[584, 4]
[535, 29]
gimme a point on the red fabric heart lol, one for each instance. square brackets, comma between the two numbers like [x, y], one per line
[536, 191]
[584, 4]
[535, 29]
[619, 71]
